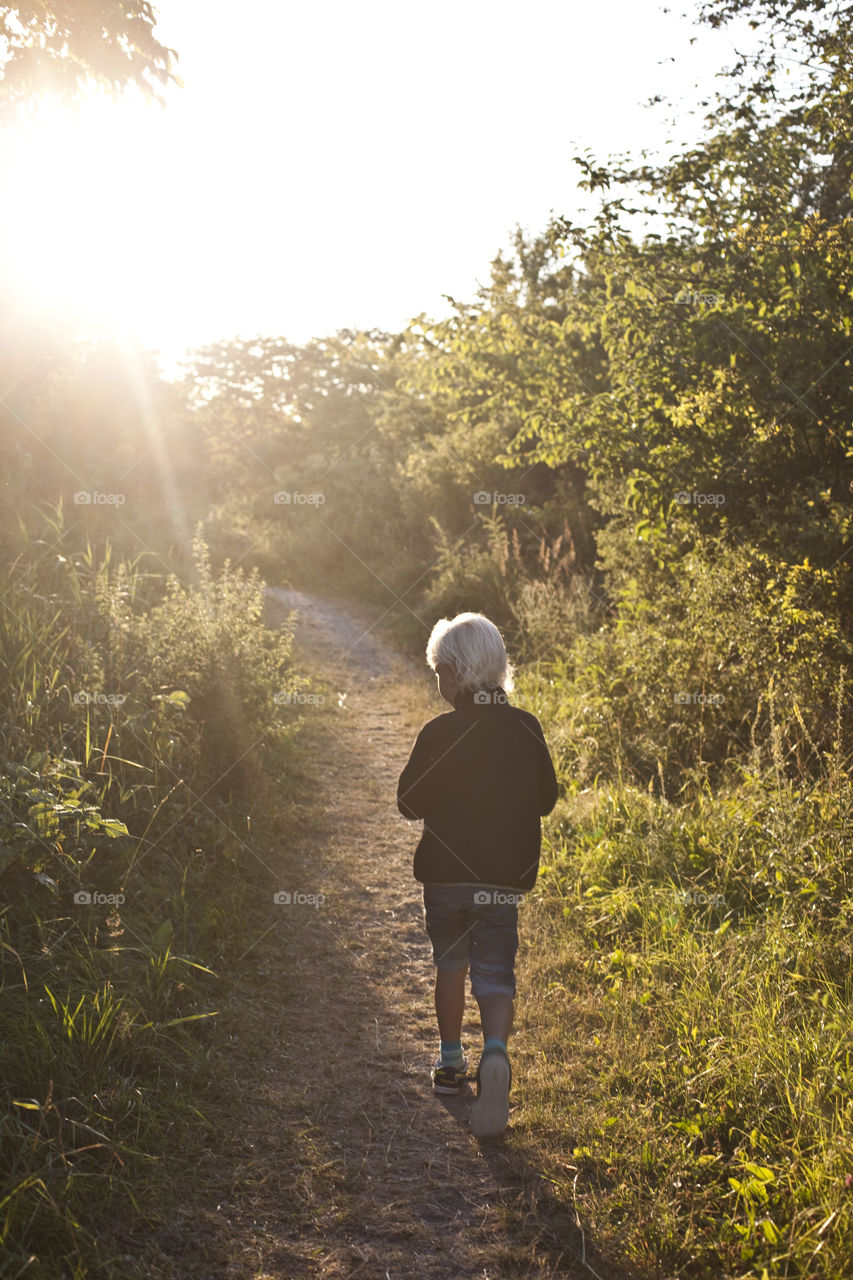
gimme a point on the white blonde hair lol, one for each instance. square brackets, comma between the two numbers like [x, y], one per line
[473, 646]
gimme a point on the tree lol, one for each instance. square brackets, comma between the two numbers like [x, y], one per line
[59, 47]
[728, 338]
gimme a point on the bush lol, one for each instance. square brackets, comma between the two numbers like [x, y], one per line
[694, 674]
[690, 965]
[130, 719]
[205, 652]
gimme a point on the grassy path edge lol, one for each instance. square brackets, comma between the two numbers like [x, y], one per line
[338, 1159]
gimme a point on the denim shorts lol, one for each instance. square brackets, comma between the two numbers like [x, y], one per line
[476, 925]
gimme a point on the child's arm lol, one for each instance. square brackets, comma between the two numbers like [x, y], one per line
[547, 778]
[413, 789]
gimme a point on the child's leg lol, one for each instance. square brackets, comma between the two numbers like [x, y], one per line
[447, 924]
[493, 951]
[496, 1012]
[450, 1002]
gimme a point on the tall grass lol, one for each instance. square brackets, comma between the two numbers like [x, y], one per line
[138, 714]
[687, 983]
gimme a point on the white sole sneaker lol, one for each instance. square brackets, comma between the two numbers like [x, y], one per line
[490, 1112]
[450, 1078]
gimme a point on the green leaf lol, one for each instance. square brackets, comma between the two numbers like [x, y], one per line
[162, 936]
[193, 1017]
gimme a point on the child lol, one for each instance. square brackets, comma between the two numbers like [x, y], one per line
[480, 776]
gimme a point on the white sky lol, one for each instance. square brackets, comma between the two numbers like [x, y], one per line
[337, 164]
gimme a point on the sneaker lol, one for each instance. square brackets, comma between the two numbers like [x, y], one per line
[449, 1079]
[490, 1112]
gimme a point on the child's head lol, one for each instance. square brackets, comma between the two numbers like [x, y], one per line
[472, 647]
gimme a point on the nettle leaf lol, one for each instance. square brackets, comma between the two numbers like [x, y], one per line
[177, 698]
[112, 827]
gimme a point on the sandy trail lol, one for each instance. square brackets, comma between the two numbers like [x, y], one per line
[345, 1164]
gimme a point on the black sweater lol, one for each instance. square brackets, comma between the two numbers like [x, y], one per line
[480, 777]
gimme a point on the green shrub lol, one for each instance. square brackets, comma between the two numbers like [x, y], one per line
[205, 652]
[693, 675]
[705, 950]
[126, 873]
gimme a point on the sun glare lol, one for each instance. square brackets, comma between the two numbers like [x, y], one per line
[83, 234]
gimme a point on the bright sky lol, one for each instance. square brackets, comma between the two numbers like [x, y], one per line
[333, 165]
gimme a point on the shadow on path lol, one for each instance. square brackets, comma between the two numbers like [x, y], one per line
[343, 1161]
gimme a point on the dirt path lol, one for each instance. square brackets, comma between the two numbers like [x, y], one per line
[345, 1164]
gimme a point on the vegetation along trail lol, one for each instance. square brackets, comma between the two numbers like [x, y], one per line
[346, 1163]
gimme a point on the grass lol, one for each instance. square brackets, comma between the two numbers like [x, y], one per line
[684, 1061]
[686, 979]
[132, 882]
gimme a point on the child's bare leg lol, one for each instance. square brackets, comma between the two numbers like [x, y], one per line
[450, 1002]
[496, 1012]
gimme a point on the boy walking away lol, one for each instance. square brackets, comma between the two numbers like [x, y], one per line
[480, 777]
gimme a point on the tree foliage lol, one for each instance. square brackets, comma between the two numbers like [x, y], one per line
[61, 46]
[633, 446]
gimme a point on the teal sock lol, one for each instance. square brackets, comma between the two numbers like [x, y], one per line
[495, 1043]
[451, 1052]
